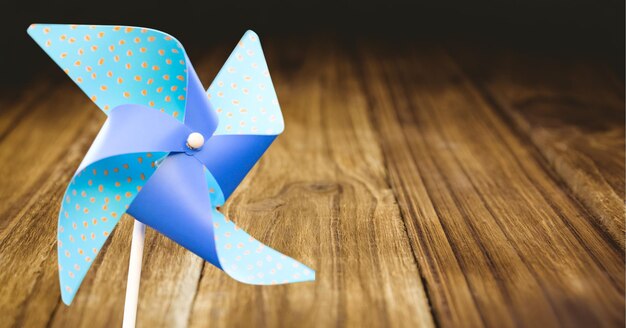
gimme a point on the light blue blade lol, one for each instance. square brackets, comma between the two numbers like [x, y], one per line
[92, 205]
[243, 94]
[246, 259]
[117, 65]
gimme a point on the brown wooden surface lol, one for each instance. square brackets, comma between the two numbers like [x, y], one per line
[427, 186]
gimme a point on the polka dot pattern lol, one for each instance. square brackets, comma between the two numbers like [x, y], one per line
[92, 205]
[244, 258]
[243, 94]
[117, 65]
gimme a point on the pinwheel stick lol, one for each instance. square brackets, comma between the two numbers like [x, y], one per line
[134, 275]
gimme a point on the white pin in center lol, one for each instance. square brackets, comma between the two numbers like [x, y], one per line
[195, 140]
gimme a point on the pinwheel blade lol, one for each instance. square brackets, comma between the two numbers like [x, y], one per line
[243, 97]
[92, 205]
[245, 101]
[246, 259]
[243, 94]
[117, 65]
[187, 213]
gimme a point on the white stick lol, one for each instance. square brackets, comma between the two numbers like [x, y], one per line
[134, 275]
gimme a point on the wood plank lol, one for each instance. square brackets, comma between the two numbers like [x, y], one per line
[320, 194]
[572, 110]
[498, 240]
[33, 123]
[17, 106]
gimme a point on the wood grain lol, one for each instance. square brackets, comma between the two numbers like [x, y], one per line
[427, 186]
[507, 223]
[574, 118]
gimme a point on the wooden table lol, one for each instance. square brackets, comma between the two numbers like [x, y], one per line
[427, 185]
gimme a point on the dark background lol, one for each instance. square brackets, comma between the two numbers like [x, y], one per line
[555, 27]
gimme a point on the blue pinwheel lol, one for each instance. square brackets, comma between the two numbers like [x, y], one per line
[169, 153]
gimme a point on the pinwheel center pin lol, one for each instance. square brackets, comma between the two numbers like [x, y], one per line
[195, 140]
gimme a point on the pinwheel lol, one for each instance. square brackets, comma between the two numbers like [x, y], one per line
[169, 153]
